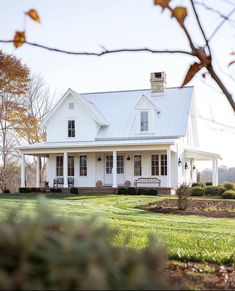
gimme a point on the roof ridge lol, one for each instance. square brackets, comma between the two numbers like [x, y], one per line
[169, 88]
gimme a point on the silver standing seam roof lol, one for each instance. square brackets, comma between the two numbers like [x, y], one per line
[118, 108]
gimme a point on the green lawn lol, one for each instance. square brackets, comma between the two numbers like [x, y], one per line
[186, 237]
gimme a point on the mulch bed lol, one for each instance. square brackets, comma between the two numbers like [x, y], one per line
[201, 276]
[207, 207]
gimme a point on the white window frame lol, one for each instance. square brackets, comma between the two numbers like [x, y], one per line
[144, 121]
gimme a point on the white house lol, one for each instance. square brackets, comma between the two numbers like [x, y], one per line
[120, 136]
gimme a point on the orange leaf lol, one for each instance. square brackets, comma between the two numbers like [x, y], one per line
[34, 15]
[162, 3]
[180, 14]
[194, 68]
[19, 38]
[204, 75]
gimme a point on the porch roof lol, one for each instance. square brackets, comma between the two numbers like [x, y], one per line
[200, 155]
[94, 144]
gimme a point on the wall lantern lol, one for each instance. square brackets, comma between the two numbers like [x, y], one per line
[179, 162]
[99, 159]
[194, 168]
[128, 158]
[186, 166]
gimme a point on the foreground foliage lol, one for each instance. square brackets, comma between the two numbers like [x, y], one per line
[51, 253]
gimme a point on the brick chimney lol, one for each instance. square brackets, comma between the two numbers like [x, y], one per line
[158, 82]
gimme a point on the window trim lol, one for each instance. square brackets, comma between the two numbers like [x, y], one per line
[83, 168]
[144, 120]
[59, 166]
[140, 167]
[71, 128]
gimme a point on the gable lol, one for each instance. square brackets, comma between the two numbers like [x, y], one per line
[85, 104]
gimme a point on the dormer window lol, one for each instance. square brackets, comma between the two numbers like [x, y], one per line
[71, 128]
[144, 121]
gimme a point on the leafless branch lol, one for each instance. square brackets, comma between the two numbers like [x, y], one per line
[104, 51]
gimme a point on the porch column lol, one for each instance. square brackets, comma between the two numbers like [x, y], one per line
[22, 171]
[169, 168]
[37, 172]
[65, 170]
[114, 169]
[215, 172]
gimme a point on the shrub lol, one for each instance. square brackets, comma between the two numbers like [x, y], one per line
[183, 193]
[152, 192]
[56, 190]
[229, 186]
[208, 183]
[141, 191]
[5, 191]
[68, 255]
[197, 191]
[198, 184]
[131, 191]
[24, 190]
[122, 191]
[74, 190]
[214, 190]
[228, 194]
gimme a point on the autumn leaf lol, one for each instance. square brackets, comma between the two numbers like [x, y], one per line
[180, 14]
[34, 15]
[194, 68]
[204, 75]
[19, 38]
[162, 3]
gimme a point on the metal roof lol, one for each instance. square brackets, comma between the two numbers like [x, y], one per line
[118, 108]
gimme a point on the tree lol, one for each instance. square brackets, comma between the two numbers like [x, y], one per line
[13, 85]
[202, 53]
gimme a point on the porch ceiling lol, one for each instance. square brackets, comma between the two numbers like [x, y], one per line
[200, 155]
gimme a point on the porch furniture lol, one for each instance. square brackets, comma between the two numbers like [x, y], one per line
[60, 182]
[146, 180]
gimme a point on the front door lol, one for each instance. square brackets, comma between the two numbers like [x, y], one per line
[108, 170]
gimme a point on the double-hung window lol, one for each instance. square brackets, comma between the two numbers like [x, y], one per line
[59, 166]
[144, 121]
[109, 164]
[164, 165]
[155, 165]
[137, 165]
[71, 128]
[83, 165]
[71, 166]
[120, 164]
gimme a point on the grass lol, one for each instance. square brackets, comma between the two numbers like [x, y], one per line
[186, 237]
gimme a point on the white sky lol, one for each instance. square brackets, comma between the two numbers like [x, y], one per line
[86, 25]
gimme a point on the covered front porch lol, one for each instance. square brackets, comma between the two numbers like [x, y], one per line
[108, 167]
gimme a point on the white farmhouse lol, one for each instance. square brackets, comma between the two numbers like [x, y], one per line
[144, 138]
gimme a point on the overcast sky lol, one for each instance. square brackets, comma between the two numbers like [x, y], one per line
[86, 25]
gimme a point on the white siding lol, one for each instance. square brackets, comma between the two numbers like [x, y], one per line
[57, 129]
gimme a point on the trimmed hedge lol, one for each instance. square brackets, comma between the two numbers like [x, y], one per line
[56, 190]
[229, 185]
[122, 191]
[74, 190]
[228, 194]
[67, 255]
[138, 191]
[208, 183]
[150, 191]
[198, 184]
[214, 190]
[131, 191]
[29, 190]
[197, 191]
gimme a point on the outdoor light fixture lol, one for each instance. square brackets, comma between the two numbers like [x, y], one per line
[179, 162]
[99, 159]
[194, 168]
[128, 158]
[186, 166]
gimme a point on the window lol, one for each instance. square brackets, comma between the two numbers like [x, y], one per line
[137, 165]
[109, 164]
[144, 121]
[71, 128]
[163, 165]
[83, 165]
[59, 166]
[155, 165]
[70, 166]
[71, 106]
[120, 164]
